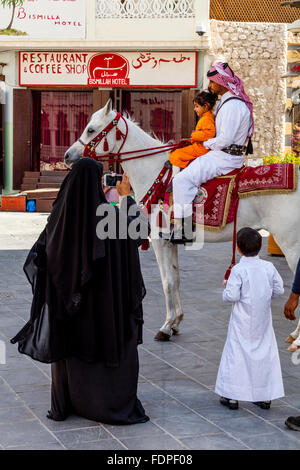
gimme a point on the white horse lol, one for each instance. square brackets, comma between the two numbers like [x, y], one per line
[277, 213]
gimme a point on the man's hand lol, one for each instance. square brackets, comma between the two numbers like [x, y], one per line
[290, 306]
[123, 187]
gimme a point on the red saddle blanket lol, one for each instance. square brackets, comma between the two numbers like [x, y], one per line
[214, 203]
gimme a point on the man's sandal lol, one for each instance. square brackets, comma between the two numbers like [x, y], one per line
[264, 405]
[231, 404]
[293, 422]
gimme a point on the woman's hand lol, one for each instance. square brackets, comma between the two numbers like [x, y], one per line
[123, 187]
[290, 306]
[105, 188]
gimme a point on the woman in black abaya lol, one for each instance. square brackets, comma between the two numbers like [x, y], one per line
[86, 316]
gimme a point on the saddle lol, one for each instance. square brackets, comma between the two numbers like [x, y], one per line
[215, 203]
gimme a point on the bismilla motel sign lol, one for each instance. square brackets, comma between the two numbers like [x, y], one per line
[108, 69]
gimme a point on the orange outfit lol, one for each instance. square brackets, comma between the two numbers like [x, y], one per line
[205, 130]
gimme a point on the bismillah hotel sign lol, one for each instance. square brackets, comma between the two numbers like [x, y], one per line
[108, 69]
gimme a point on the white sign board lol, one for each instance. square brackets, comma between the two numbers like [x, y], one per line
[51, 19]
[108, 69]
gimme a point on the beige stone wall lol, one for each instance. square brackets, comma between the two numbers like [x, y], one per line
[257, 52]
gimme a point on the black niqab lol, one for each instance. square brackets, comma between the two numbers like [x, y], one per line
[87, 292]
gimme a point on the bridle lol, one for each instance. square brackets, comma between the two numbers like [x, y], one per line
[90, 147]
[161, 182]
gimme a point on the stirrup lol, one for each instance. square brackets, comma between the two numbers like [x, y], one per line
[178, 238]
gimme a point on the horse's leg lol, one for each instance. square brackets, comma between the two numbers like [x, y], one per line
[164, 254]
[177, 299]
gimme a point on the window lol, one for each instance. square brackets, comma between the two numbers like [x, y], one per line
[64, 115]
[158, 113]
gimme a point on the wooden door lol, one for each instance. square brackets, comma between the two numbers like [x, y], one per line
[100, 98]
[1, 146]
[296, 113]
[36, 130]
[22, 138]
[188, 114]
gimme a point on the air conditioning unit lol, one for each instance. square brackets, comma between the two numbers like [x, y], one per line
[292, 3]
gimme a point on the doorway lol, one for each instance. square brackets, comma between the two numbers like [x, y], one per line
[158, 112]
[1, 146]
[64, 115]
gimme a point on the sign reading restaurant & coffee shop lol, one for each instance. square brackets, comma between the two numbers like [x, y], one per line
[108, 69]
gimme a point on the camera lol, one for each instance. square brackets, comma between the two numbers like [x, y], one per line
[110, 179]
[200, 29]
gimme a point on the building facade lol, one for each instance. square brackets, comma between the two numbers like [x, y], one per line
[148, 56]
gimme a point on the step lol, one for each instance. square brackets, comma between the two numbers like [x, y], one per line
[48, 185]
[41, 194]
[32, 174]
[26, 187]
[27, 180]
[44, 205]
[51, 179]
[59, 173]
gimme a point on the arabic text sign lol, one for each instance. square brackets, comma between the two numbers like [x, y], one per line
[47, 19]
[108, 69]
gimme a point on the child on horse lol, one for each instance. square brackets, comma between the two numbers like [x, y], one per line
[234, 127]
[205, 130]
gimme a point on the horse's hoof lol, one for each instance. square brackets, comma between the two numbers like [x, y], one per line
[289, 339]
[175, 331]
[161, 336]
[293, 348]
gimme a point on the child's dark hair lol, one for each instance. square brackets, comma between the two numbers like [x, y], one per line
[206, 97]
[249, 241]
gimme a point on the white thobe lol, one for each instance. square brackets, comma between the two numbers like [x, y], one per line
[250, 366]
[233, 122]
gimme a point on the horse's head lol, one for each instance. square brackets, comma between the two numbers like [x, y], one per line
[99, 120]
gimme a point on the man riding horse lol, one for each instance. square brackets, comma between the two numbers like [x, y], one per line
[234, 126]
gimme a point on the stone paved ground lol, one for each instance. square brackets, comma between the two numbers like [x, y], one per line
[176, 378]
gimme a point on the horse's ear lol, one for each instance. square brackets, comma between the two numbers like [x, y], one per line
[108, 107]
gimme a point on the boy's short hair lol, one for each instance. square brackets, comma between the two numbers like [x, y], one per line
[249, 241]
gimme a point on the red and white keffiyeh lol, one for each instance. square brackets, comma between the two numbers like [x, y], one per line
[222, 74]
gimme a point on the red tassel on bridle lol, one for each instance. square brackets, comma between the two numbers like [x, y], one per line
[145, 245]
[228, 272]
[118, 134]
[105, 145]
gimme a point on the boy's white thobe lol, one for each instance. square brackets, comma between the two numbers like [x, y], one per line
[250, 366]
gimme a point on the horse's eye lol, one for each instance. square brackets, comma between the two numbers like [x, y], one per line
[90, 130]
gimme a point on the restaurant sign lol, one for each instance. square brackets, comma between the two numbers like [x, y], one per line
[108, 69]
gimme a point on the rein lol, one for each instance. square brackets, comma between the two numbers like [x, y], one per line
[236, 206]
[90, 147]
[161, 182]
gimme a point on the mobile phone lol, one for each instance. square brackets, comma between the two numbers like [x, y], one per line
[110, 179]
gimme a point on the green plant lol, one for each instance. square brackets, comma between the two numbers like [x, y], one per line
[13, 4]
[282, 157]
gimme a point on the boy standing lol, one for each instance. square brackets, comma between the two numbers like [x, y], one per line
[250, 366]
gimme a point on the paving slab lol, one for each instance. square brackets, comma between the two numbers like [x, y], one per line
[29, 432]
[149, 443]
[215, 442]
[177, 378]
[274, 441]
